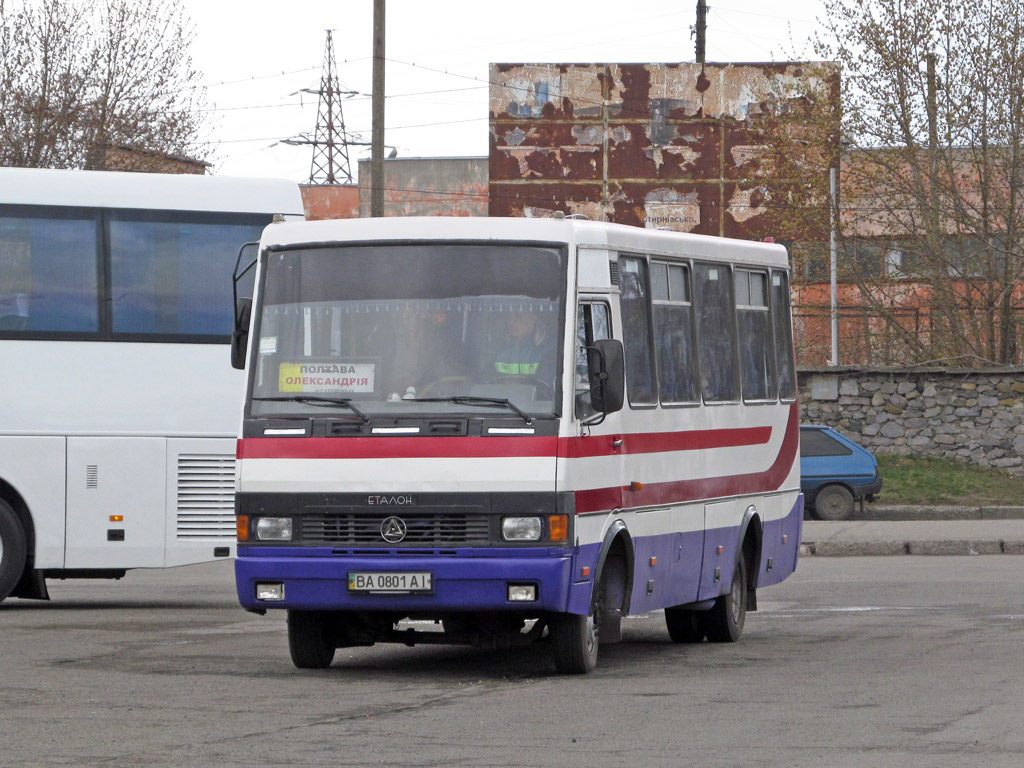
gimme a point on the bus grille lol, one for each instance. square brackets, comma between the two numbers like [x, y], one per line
[206, 496]
[421, 528]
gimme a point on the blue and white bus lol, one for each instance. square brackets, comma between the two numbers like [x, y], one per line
[118, 407]
[505, 428]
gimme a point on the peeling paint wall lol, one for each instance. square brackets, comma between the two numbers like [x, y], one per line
[653, 145]
[430, 186]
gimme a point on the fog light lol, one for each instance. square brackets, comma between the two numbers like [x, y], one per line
[274, 529]
[274, 591]
[521, 529]
[522, 593]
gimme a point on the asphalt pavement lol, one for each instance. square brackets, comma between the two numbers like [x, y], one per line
[886, 530]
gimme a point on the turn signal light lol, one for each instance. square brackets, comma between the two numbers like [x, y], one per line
[558, 527]
[242, 527]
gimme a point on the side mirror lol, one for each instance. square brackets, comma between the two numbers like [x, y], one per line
[240, 333]
[607, 373]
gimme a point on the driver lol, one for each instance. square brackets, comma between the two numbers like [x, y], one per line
[528, 350]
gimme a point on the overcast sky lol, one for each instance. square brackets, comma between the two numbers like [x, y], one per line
[257, 56]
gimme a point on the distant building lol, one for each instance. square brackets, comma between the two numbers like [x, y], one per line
[429, 186]
[126, 157]
[330, 201]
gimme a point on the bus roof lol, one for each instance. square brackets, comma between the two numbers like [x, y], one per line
[156, 191]
[592, 234]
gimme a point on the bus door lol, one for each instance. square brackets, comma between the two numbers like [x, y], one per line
[598, 443]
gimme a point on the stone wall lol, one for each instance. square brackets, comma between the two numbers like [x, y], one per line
[975, 416]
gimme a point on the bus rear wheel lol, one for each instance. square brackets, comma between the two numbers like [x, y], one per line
[310, 639]
[724, 622]
[684, 626]
[13, 550]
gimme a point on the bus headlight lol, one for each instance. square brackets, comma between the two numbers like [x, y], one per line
[274, 529]
[521, 529]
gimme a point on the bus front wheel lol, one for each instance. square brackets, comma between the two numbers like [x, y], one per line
[310, 639]
[574, 639]
[13, 549]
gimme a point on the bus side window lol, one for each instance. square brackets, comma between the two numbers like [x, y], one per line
[636, 332]
[783, 333]
[716, 332]
[592, 324]
[673, 333]
[757, 358]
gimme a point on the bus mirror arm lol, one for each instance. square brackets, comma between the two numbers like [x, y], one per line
[242, 311]
[607, 375]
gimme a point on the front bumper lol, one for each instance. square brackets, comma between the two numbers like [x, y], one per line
[476, 580]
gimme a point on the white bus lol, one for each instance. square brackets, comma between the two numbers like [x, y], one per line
[512, 426]
[118, 406]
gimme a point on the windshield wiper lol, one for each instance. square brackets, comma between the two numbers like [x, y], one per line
[472, 400]
[320, 401]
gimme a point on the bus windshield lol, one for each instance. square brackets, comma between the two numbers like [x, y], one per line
[410, 328]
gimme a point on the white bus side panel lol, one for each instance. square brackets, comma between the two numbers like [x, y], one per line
[115, 476]
[200, 500]
[34, 467]
[53, 387]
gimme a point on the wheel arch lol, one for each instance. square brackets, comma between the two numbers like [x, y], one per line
[617, 539]
[749, 546]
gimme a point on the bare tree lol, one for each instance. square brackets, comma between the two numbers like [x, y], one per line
[932, 212]
[79, 76]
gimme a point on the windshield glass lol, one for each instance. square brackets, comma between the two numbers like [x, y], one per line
[409, 329]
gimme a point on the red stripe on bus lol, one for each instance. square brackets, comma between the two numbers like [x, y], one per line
[395, 447]
[678, 491]
[662, 442]
[496, 447]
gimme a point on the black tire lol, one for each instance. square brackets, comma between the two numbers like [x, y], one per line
[13, 550]
[310, 639]
[575, 642]
[724, 622]
[684, 626]
[833, 502]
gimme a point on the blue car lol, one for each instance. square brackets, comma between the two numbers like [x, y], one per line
[834, 472]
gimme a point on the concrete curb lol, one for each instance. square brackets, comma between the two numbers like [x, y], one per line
[924, 547]
[921, 512]
[860, 538]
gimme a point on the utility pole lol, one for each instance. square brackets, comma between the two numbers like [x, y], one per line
[702, 30]
[377, 136]
[700, 48]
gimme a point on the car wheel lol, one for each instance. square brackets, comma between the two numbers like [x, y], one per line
[833, 502]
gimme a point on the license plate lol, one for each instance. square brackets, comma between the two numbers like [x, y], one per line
[401, 583]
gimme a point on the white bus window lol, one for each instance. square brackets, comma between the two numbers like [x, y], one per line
[174, 277]
[49, 277]
[636, 331]
[716, 333]
[592, 324]
[784, 361]
[757, 376]
[673, 333]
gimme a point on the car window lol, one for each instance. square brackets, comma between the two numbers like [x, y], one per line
[816, 442]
